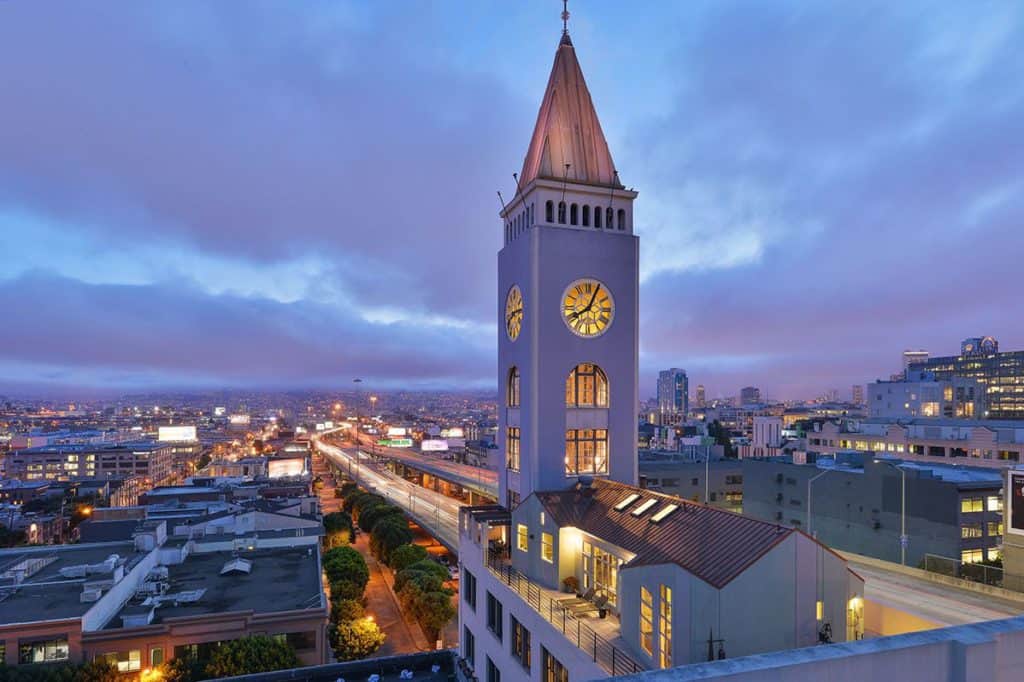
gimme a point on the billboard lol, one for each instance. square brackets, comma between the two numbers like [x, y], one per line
[282, 467]
[239, 419]
[219, 411]
[176, 434]
[456, 443]
[395, 442]
[395, 431]
[434, 446]
[1015, 505]
[454, 432]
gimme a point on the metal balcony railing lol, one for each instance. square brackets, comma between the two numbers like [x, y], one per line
[610, 657]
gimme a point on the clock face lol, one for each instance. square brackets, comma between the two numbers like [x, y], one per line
[587, 308]
[514, 312]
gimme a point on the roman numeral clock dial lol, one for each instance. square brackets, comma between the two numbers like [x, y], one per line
[588, 308]
[514, 312]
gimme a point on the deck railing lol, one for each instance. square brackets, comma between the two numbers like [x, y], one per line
[610, 657]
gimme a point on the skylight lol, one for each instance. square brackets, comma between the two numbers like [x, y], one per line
[628, 501]
[665, 511]
[644, 507]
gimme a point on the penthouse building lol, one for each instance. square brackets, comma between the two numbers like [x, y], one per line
[150, 460]
[660, 581]
[921, 394]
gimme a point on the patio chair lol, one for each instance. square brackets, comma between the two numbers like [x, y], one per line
[599, 606]
[574, 601]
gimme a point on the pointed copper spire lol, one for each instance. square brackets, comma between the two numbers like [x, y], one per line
[568, 130]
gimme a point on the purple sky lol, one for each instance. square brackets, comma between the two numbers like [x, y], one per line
[295, 194]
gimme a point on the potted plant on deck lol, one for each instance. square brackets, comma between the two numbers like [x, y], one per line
[570, 584]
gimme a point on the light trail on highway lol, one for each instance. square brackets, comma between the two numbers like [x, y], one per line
[436, 513]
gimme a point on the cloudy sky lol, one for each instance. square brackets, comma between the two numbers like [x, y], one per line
[279, 194]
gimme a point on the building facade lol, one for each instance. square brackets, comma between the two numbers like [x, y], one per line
[673, 394]
[702, 400]
[1001, 373]
[951, 512]
[150, 460]
[750, 395]
[921, 394]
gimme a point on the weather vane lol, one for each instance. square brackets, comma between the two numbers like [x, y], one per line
[565, 16]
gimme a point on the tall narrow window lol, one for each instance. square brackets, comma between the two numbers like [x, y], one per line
[646, 621]
[608, 217]
[622, 219]
[494, 616]
[513, 387]
[512, 448]
[522, 538]
[574, 214]
[665, 627]
[586, 216]
[520, 642]
[549, 212]
[586, 451]
[553, 671]
[597, 216]
[547, 547]
[561, 213]
[586, 386]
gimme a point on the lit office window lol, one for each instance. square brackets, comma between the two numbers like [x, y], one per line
[646, 621]
[586, 386]
[586, 451]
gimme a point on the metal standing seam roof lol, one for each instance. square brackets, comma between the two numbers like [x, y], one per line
[713, 544]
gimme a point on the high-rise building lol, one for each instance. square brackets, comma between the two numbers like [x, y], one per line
[571, 517]
[702, 400]
[750, 395]
[673, 393]
[858, 394]
[911, 357]
[1001, 374]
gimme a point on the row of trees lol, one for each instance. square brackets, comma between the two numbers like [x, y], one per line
[352, 634]
[419, 581]
[338, 530]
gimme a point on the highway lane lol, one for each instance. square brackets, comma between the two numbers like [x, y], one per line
[478, 479]
[437, 513]
[939, 603]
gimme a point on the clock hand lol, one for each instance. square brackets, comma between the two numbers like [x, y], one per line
[589, 305]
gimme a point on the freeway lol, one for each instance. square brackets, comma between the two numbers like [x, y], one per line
[436, 513]
[908, 590]
[478, 479]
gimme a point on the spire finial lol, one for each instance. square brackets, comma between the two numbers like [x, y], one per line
[565, 17]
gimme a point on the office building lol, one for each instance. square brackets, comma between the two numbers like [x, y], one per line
[673, 394]
[1001, 373]
[952, 512]
[750, 395]
[150, 460]
[977, 442]
[920, 394]
[661, 579]
[702, 400]
[857, 393]
[913, 357]
[717, 481]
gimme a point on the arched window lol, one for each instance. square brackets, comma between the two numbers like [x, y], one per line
[622, 219]
[586, 451]
[561, 212]
[586, 216]
[513, 387]
[597, 216]
[586, 386]
[609, 217]
[574, 214]
[549, 209]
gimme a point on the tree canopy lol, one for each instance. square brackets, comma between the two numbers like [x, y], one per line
[258, 654]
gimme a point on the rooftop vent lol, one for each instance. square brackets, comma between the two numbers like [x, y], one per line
[665, 511]
[630, 499]
[644, 507]
[235, 566]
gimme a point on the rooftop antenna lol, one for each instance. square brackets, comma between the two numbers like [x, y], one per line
[502, 201]
[519, 189]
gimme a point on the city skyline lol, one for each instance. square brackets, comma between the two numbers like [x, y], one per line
[202, 196]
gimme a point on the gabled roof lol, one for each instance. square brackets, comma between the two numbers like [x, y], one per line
[712, 544]
[567, 130]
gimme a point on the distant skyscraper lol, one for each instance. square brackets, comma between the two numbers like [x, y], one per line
[858, 394]
[673, 392]
[750, 395]
[702, 401]
[912, 356]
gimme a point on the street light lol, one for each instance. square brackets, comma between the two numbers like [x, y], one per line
[904, 540]
[811, 480]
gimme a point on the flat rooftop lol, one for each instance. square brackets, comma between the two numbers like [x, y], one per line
[282, 579]
[46, 594]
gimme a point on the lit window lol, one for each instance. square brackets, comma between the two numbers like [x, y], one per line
[646, 620]
[513, 387]
[586, 386]
[586, 451]
[522, 537]
[547, 547]
[972, 556]
[819, 610]
[512, 448]
[995, 503]
[665, 627]
[972, 504]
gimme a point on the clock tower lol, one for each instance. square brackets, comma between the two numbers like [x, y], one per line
[567, 303]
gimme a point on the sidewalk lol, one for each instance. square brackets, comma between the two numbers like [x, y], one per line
[404, 635]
